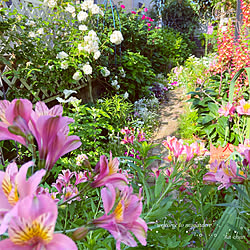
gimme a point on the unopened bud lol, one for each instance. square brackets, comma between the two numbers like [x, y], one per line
[16, 131]
[80, 233]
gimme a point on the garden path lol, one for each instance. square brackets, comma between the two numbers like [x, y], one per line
[170, 112]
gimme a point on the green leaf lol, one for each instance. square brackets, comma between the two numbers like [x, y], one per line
[172, 242]
[160, 181]
[213, 107]
[223, 225]
[207, 118]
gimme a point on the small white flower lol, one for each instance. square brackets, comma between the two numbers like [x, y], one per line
[40, 31]
[30, 23]
[82, 16]
[105, 72]
[97, 54]
[32, 34]
[114, 83]
[116, 37]
[59, 99]
[28, 64]
[117, 86]
[125, 96]
[77, 76]
[83, 27]
[62, 55]
[87, 69]
[68, 92]
[64, 64]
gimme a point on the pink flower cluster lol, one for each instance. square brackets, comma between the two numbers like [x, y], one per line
[177, 148]
[19, 122]
[167, 172]
[122, 207]
[225, 174]
[66, 186]
[130, 135]
[243, 108]
[30, 219]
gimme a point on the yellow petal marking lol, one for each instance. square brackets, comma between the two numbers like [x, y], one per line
[26, 232]
[119, 212]
[6, 185]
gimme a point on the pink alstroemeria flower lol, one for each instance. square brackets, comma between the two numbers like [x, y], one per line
[123, 6]
[108, 173]
[14, 118]
[124, 218]
[143, 17]
[33, 226]
[133, 12]
[229, 175]
[227, 110]
[51, 133]
[243, 108]
[174, 145]
[225, 174]
[244, 146]
[145, 9]
[15, 187]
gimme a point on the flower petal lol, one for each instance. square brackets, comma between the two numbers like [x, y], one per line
[61, 242]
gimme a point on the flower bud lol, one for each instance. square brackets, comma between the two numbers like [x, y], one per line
[80, 233]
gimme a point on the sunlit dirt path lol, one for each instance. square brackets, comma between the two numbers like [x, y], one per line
[170, 112]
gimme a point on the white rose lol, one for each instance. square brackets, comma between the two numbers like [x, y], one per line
[116, 37]
[87, 69]
[30, 23]
[97, 54]
[77, 76]
[83, 27]
[82, 16]
[84, 6]
[95, 9]
[62, 55]
[64, 65]
[70, 8]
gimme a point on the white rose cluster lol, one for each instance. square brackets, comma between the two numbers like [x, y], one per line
[91, 42]
[116, 37]
[105, 72]
[89, 5]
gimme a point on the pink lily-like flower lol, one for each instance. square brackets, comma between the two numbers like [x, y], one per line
[51, 134]
[229, 175]
[42, 109]
[243, 108]
[244, 146]
[199, 149]
[14, 118]
[126, 131]
[65, 176]
[124, 218]
[189, 152]
[33, 226]
[227, 110]
[108, 173]
[174, 145]
[15, 187]
[81, 177]
[141, 136]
